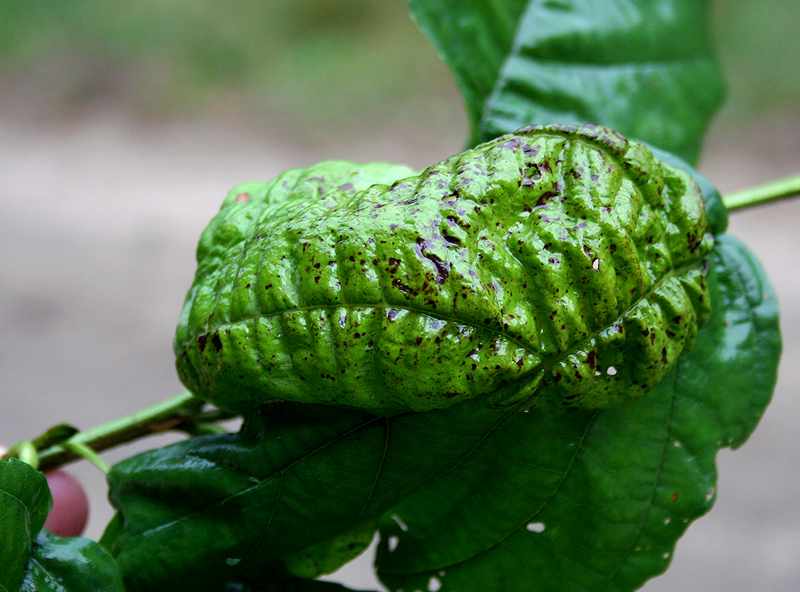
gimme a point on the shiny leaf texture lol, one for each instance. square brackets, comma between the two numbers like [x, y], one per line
[300, 474]
[295, 476]
[33, 559]
[70, 565]
[643, 67]
[557, 262]
[595, 500]
[24, 503]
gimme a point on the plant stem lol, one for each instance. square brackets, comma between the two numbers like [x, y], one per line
[761, 194]
[177, 413]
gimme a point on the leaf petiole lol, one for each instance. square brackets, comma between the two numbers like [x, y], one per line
[180, 412]
[785, 188]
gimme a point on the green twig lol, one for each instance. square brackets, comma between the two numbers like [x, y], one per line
[84, 451]
[177, 413]
[773, 191]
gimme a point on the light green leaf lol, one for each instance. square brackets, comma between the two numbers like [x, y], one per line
[587, 501]
[559, 262]
[643, 67]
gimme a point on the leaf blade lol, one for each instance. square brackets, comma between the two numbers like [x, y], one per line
[24, 503]
[588, 532]
[70, 565]
[644, 68]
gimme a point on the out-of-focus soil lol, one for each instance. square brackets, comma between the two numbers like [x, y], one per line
[99, 223]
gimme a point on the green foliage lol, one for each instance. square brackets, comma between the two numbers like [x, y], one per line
[32, 558]
[24, 503]
[625, 481]
[70, 565]
[631, 65]
[574, 462]
[595, 500]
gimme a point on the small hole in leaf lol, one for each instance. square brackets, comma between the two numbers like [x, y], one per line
[611, 371]
[536, 527]
[403, 526]
[434, 584]
[392, 543]
[532, 172]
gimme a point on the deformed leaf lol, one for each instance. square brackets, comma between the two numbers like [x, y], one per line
[644, 67]
[560, 263]
[596, 500]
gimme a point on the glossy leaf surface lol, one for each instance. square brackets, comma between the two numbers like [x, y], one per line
[70, 565]
[644, 67]
[295, 476]
[595, 500]
[24, 503]
[300, 474]
[560, 263]
[33, 559]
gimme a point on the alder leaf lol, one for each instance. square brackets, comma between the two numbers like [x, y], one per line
[33, 559]
[72, 564]
[558, 263]
[586, 501]
[643, 67]
[24, 503]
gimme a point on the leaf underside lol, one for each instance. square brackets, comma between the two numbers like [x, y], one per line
[645, 68]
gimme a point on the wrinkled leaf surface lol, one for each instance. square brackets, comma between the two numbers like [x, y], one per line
[557, 262]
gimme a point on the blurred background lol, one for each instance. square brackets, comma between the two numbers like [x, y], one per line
[125, 122]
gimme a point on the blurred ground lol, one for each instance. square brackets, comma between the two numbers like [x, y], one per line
[100, 221]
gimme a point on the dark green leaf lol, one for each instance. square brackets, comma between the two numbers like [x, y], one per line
[214, 508]
[33, 559]
[289, 585]
[70, 565]
[595, 500]
[24, 503]
[643, 67]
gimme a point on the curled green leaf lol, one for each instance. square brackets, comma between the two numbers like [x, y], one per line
[558, 263]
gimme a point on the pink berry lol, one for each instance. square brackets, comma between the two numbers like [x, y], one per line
[70, 505]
